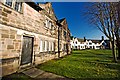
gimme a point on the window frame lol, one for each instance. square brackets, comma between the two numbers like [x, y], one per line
[46, 44]
[41, 46]
[6, 2]
[13, 5]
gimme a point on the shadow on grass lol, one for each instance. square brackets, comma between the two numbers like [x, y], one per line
[16, 76]
[84, 64]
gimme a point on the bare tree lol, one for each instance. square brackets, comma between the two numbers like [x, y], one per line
[104, 16]
[117, 32]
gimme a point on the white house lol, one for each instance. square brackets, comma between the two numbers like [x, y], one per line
[77, 43]
[74, 43]
[93, 44]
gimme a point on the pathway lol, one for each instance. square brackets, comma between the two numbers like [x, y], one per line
[37, 73]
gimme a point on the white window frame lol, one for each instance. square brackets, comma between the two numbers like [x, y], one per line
[46, 23]
[49, 46]
[19, 6]
[41, 46]
[50, 24]
[14, 4]
[45, 45]
[52, 46]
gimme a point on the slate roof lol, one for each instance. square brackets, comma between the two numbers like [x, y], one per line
[96, 41]
[80, 40]
[34, 6]
[61, 20]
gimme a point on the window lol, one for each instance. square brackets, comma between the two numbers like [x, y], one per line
[75, 47]
[41, 46]
[90, 43]
[52, 27]
[14, 4]
[64, 34]
[76, 42]
[52, 46]
[46, 45]
[18, 6]
[48, 10]
[64, 46]
[49, 46]
[90, 47]
[60, 46]
[97, 46]
[9, 2]
[48, 24]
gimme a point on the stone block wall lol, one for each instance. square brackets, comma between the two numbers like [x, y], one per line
[10, 48]
[29, 19]
[13, 26]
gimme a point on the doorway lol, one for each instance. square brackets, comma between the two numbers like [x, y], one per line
[27, 50]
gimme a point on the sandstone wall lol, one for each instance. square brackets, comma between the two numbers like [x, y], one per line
[13, 26]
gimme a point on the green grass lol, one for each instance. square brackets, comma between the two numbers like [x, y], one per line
[84, 64]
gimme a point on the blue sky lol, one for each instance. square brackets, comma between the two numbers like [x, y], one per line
[78, 25]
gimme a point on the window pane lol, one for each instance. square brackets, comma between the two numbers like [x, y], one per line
[45, 45]
[41, 47]
[46, 23]
[52, 46]
[9, 3]
[50, 25]
[18, 6]
[49, 46]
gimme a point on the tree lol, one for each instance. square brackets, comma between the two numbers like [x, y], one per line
[105, 17]
[117, 33]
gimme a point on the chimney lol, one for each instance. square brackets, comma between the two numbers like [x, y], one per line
[84, 39]
[102, 38]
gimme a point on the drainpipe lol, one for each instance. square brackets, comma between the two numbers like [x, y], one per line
[58, 42]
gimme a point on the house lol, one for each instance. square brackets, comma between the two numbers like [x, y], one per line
[64, 34]
[77, 43]
[93, 44]
[28, 35]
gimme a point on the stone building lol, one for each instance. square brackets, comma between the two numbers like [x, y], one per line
[64, 34]
[28, 35]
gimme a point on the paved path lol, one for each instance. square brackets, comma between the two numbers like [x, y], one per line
[37, 73]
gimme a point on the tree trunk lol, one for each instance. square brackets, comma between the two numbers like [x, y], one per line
[119, 52]
[113, 52]
[118, 48]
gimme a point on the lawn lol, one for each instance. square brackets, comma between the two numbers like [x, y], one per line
[92, 64]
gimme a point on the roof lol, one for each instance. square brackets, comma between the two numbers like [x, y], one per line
[44, 7]
[34, 6]
[61, 20]
[96, 41]
[99, 41]
[80, 40]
